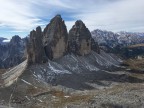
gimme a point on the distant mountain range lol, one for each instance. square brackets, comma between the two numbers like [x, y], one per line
[12, 53]
[119, 43]
[120, 38]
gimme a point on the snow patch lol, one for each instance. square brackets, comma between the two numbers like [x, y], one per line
[58, 71]
[26, 82]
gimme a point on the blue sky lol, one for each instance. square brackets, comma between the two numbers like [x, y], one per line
[19, 17]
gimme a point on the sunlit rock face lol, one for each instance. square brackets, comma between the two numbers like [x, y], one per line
[35, 50]
[55, 38]
[79, 41]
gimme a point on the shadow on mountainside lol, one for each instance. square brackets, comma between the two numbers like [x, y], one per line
[93, 80]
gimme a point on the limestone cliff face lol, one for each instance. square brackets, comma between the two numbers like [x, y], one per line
[79, 40]
[55, 38]
[35, 50]
[54, 41]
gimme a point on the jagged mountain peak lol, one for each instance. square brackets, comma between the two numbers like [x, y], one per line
[52, 43]
[58, 16]
[56, 19]
[56, 25]
[56, 42]
[80, 24]
[38, 29]
[55, 37]
[79, 30]
[15, 39]
[35, 50]
[80, 40]
[12, 53]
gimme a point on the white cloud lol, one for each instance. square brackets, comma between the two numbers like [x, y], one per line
[57, 3]
[69, 24]
[16, 16]
[115, 15]
[24, 15]
[6, 40]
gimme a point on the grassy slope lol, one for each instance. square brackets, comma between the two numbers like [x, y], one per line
[137, 45]
[135, 64]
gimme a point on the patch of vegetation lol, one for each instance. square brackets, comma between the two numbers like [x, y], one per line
[137, 45]
[2, 71]
[135, 64]
[32, 90]
[64, 99]
[126, 52]
[59, 98]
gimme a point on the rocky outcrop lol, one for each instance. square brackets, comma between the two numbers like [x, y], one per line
[15, 40]
[35, 49]
[54, 42]
[55, 38]
[79, 40]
